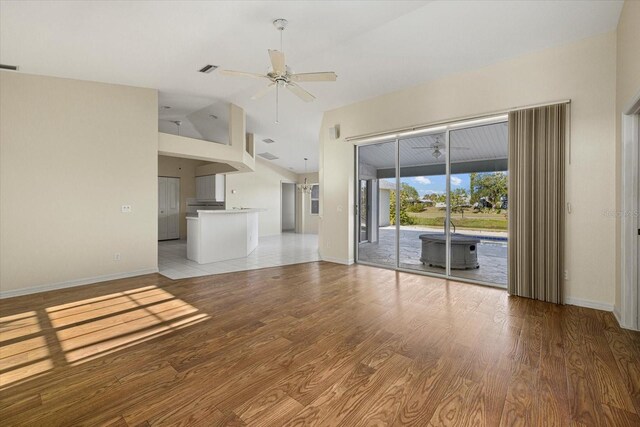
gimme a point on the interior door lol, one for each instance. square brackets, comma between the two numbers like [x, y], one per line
[162, 203]
[168, 208]
[173, 208]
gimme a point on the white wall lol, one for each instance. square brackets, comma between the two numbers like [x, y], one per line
[307, 222]
[584, 72]
[260, 189]
[384, 203]
[71, 153]
[288, 207]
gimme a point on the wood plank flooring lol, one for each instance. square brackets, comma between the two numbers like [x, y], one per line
[311, 344]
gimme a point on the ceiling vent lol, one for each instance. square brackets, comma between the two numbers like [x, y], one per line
[268, 141]
[207, 68]
[8, 67]
[268, 156]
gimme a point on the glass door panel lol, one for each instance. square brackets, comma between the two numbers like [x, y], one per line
[422, 204]
[365, 207]
[478, 203]
[376, 195]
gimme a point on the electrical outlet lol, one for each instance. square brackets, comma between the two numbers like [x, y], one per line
[566, 275]
[126, 209]
[116, 256]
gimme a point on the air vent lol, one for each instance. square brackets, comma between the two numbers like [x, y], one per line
[268, 156]
[208, 68]
[8, 67]
[268, 141]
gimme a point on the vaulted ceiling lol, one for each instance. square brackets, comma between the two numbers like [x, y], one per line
[375, 47]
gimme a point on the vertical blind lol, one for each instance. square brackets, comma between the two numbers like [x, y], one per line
[537, 138]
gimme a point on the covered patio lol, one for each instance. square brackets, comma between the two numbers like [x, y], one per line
[492, 253]
[475, 150]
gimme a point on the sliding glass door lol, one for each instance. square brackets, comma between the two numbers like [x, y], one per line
[423, 164]
[478, 199]
[435, 201]
[375, 208]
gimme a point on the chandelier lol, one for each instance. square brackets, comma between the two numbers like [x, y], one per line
[305, 187]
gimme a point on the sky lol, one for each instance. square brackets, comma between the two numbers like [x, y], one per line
[436, 183]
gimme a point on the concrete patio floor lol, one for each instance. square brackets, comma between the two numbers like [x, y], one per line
[492, 255]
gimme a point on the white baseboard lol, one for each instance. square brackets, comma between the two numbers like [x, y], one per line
[589, 304]
[337, 260]
[73, 283]
[617, 315]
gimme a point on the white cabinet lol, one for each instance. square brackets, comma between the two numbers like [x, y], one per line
[219, 187]
[168, 208]
[210, 188]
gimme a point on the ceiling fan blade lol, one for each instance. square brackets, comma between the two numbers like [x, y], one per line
[328, 76]
[277, 61]
[300, 93]
[233, 73]
[262, 92]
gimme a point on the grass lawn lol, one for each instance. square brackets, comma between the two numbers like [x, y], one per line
[434, 217]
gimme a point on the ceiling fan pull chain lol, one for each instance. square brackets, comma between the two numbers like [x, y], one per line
[277, 102]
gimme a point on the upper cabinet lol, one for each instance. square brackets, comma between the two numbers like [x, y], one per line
[210, 188]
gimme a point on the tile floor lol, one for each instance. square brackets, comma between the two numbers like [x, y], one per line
[272, 251]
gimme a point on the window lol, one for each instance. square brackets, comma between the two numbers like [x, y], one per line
[315, 199]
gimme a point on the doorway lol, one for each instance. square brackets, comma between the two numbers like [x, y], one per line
[628, 312]
[168, 208]
[434, 201]
[288, 207]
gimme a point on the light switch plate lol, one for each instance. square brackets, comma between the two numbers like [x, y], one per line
[126, 209]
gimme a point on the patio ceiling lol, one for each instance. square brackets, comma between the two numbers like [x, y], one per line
[475, 149]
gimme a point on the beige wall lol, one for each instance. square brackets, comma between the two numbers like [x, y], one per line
[627, 87]
[306, 223]
[71, 153]
[584, 72]
[185, 169]
[260, 189]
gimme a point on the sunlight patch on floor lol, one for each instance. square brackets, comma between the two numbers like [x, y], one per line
[104, 325]
[35, 342]
[23, 348]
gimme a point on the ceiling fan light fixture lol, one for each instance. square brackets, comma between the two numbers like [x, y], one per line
[280, 23]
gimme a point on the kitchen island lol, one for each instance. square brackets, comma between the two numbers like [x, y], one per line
[221, 235]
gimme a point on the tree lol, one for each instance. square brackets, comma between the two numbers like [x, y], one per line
[410, 192]
[458, 200]
[408, 195]
[492, 186]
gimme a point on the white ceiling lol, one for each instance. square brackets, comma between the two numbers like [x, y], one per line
[486, 142]
[375, 47]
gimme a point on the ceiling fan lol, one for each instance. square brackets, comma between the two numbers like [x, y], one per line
[281, 76]
[437, 147]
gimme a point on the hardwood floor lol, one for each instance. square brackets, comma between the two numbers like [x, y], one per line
[311, 344]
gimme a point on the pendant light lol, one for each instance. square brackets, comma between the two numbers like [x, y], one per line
[305, 187]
